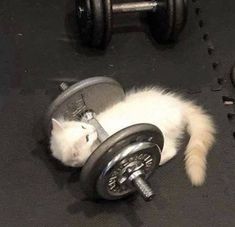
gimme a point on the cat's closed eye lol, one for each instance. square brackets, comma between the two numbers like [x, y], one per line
[87, 138]
[83, 127]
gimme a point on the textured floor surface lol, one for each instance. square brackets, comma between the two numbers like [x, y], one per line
[38, 42]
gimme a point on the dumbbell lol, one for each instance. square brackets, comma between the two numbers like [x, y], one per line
[122, 162]
[166, 19]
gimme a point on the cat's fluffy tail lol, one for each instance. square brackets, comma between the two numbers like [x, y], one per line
[202, 135]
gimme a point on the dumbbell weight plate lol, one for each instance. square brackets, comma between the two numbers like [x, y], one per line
[85, 21]
[113, 182]
[107, 22]
[94, 22]
[168, 20]
[96, 93]
[110, 148]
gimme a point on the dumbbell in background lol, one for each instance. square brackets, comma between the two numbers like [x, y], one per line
[166, 19]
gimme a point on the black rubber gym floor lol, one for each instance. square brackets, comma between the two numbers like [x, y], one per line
[38, 41]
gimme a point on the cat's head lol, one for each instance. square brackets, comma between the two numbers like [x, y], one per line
[72, 142]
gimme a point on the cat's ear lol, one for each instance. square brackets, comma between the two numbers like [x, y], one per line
[56, 125]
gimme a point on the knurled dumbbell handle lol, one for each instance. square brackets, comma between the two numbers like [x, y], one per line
[90, 118]
[134, 7]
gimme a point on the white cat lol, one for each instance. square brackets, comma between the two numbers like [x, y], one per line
[72, 142]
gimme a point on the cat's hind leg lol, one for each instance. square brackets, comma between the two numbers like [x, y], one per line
[168, 152]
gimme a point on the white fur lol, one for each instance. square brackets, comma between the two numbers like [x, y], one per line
[69, 141]
[167, 111]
